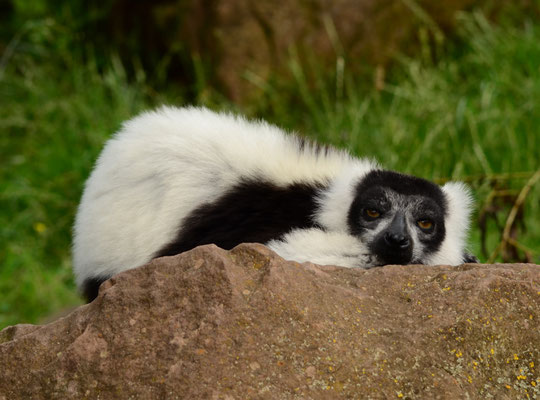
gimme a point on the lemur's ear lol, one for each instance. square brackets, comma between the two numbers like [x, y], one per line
[459, 203]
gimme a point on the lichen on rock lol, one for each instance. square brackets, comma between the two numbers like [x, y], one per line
[245, 323]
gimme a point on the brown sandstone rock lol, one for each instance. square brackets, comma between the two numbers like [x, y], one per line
[212, 324]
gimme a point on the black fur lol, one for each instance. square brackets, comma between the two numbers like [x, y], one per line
[404, 184]
[319, 148]
[90, 288]
[469, 258]
[369, 194]
[252, 211]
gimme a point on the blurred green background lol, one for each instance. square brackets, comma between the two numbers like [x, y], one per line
[442, 90]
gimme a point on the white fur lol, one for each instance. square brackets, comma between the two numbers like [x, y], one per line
[340, 194]
[320, 247]
[163, 164]
[460, 203]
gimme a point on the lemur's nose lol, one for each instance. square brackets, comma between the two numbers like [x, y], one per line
[397, 236]
[397, 239]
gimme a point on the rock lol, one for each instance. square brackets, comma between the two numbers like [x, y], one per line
[240, 324]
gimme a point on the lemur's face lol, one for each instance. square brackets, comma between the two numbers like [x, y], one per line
[398, 226]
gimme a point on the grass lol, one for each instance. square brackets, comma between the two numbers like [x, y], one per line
[471, 115]
[55, 116]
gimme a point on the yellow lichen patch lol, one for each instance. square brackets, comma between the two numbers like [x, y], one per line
[338, 386]
[259, 265]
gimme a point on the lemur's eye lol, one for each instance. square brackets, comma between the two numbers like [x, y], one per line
[425, 224]
[372, 213]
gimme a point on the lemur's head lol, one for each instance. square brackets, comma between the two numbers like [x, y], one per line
[408, 220]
